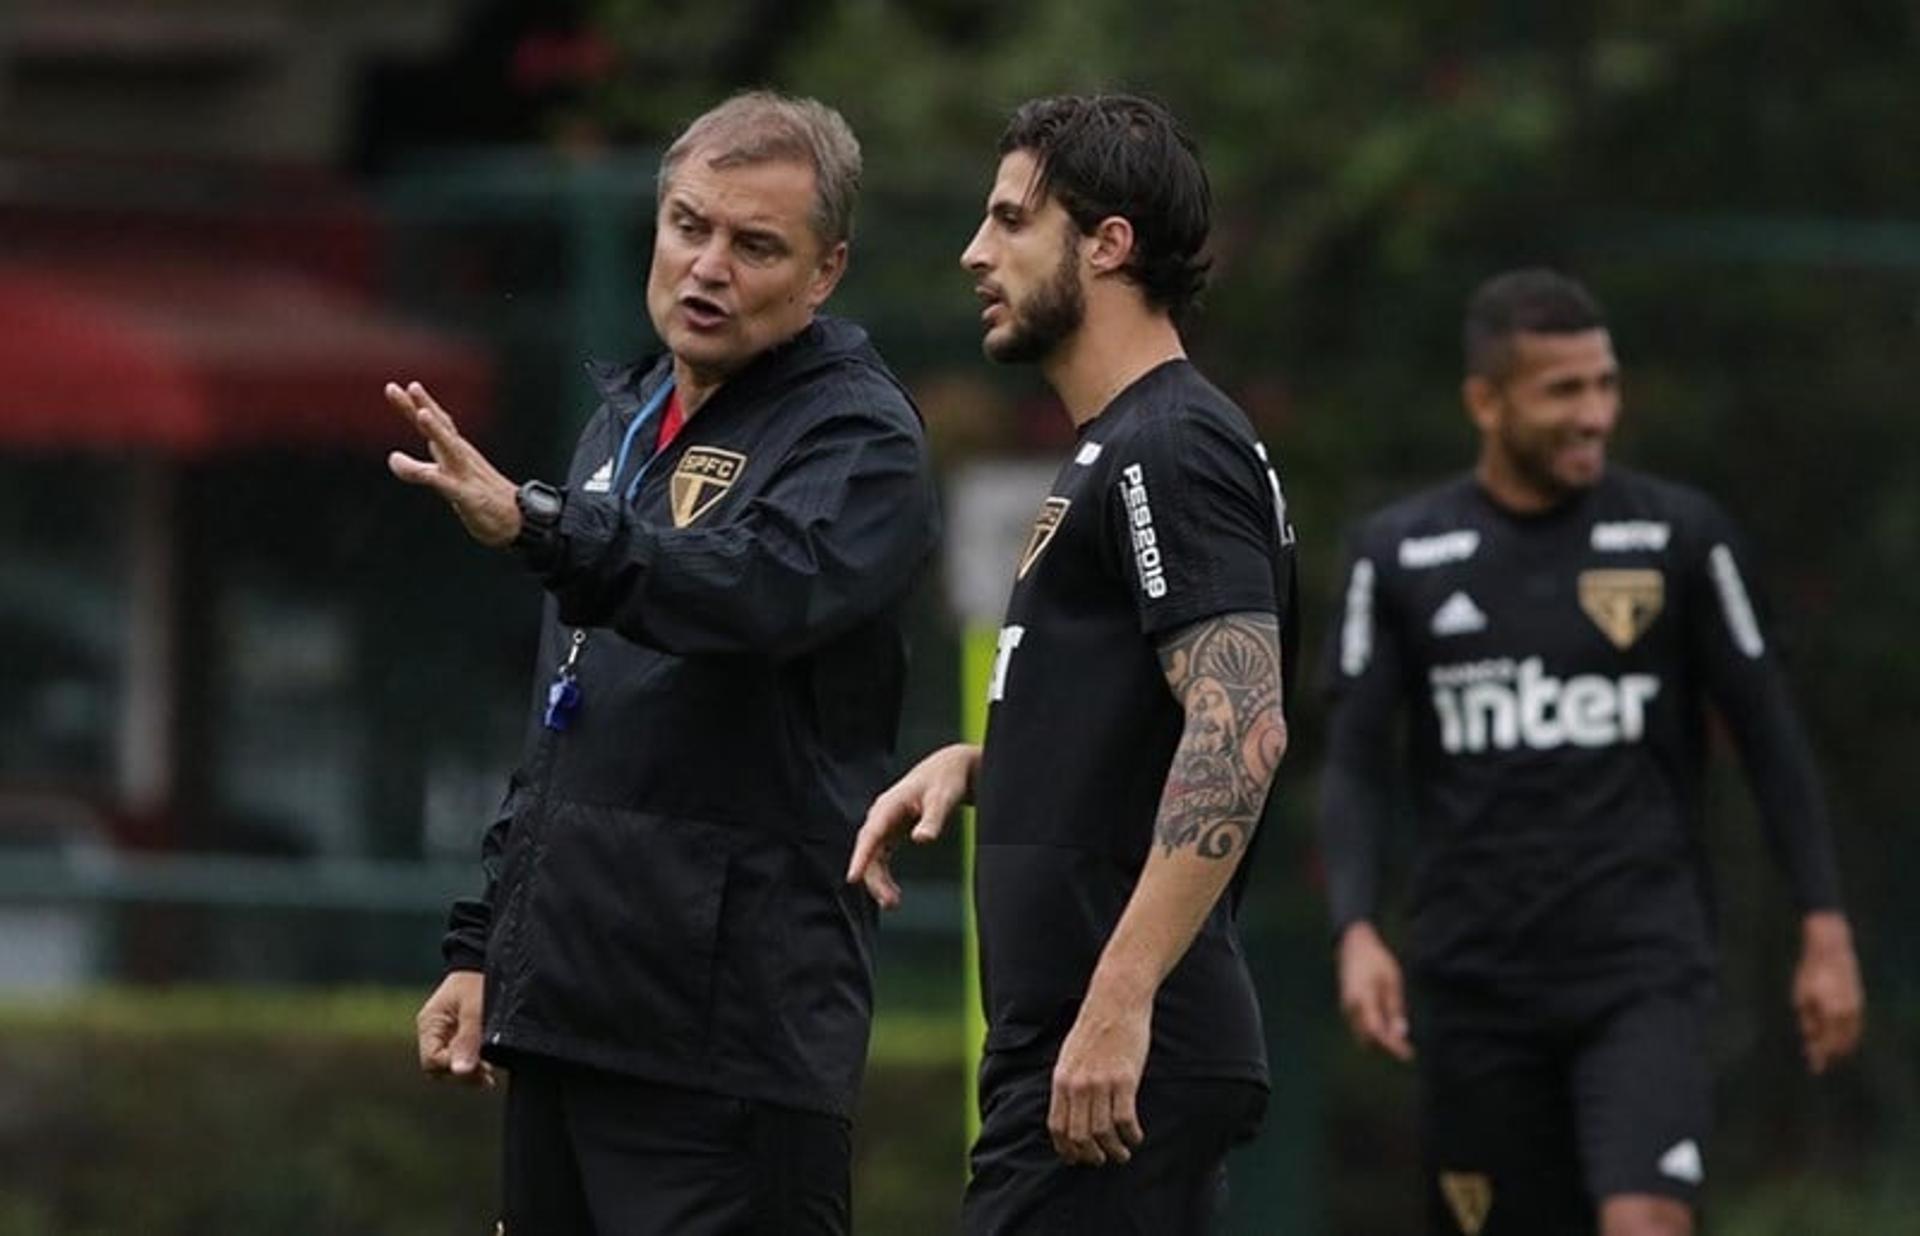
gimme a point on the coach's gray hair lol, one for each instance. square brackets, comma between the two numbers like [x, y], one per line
[760, 126]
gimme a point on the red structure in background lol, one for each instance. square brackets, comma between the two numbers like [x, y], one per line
[185, 356]
[240, 317]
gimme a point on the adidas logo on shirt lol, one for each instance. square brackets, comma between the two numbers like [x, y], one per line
[1458, 616]
[601, 481]
[1682, 1162]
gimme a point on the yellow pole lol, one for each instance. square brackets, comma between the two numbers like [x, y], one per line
[978, 646]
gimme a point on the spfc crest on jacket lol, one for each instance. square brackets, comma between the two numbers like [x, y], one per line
[1470, 1196]
[1623, 604]
[1052, 511]
[704, 476]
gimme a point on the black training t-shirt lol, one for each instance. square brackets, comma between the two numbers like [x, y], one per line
[1166, 514]
[1552, 672]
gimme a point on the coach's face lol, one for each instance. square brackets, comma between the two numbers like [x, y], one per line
[737, 265]
[1025, 263]
[1549, 418]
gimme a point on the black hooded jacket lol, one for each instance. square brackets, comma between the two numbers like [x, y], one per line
[664, 893]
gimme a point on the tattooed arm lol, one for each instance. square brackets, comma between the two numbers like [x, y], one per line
[1226, 674]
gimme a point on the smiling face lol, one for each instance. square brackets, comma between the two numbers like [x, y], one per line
[1546, 421]
[1025, 261]
[737, 264]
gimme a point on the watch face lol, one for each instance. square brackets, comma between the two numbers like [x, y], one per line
[540, 502]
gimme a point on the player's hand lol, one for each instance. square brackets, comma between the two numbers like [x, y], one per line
[1096, 1081]
[1372, 994]
[449, 1030]
[916, 806]
[484, 499]
[1828, 997]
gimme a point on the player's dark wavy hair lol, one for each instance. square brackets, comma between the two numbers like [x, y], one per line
[1533, 301]
[1118, 154]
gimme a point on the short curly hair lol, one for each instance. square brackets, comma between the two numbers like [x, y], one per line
[1119, 154]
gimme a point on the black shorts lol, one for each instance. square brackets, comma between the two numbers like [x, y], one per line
[1534, 1114]
[1174, 1185]
[590, 1153]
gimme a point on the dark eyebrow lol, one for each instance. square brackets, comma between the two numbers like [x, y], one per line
[1007, 211]
[761, 235]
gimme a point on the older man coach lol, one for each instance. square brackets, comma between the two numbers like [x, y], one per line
[674, 972]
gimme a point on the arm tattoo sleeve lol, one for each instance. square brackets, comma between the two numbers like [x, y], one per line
[1226, 674]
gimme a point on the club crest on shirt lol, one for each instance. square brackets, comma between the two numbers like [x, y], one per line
[1623, 603]
[1045, 524]
[703, 477]
[1470, 1196]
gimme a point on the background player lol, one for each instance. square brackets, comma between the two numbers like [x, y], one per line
[1552, 627]
[1136, 719]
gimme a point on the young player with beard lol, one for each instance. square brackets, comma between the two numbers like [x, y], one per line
[1136, 716]
[1552, 628]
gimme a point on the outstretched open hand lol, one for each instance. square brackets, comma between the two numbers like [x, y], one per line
[456, 470]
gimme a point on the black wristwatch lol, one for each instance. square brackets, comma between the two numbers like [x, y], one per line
[540, 508]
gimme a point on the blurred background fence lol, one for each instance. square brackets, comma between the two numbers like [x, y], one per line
[257, 700]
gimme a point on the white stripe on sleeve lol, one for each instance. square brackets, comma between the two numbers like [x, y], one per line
[1734, 602]
[1356, 632]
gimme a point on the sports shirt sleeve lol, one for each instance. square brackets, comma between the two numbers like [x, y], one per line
[1743, 676]
[830, 539]
[1363, 687]
[464, 947]
[1195, 524]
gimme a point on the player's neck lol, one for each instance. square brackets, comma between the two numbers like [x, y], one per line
[1512, 491]
[1114, 347]
[694, 386]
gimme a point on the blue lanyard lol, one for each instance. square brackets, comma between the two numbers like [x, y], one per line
[626, 444]
[563, 693]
